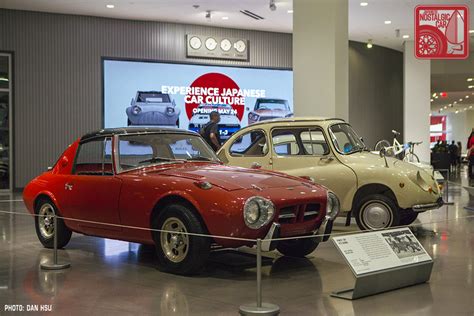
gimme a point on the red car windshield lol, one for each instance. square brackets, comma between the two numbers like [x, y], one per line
[140, 150]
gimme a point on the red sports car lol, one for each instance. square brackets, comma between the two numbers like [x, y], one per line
[116, 180]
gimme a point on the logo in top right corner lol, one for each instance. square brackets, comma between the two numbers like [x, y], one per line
[441, 32]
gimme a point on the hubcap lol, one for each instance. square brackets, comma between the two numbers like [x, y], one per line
[376, 215]
[174, 244]
[45, 220]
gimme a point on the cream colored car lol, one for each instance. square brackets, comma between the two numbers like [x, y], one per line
[378, 191]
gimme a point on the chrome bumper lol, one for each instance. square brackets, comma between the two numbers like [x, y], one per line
[268, 244]
[427, 207]
[325, 230]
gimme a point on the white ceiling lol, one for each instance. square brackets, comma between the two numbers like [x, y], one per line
[364, 22]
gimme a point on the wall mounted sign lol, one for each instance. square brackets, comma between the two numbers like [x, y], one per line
[199, 46]
[441, 32]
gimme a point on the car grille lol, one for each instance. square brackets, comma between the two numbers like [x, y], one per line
[298, 213]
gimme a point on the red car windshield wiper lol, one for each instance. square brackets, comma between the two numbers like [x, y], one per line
[157, 159]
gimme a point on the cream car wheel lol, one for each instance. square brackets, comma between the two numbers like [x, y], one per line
[174, 243]
[376, 211]
[376, 215]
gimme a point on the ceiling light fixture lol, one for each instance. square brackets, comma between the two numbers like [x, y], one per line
[450, 105]
[470, 87]
[460, 100]
[469, 79]
[387, 22]
[364, 4]
[471, 31]
[369, 43]
[406, 36]
[445, 107]
[456, 112]
[110, 6]
[272, 5]
[432, 100]
[225, 18]
[434, 94]
[470, 107]
[467, 97]
[431, 114]
[289, 11]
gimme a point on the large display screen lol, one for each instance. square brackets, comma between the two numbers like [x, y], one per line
[181, 95]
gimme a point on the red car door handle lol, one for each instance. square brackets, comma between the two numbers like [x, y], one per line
[68, 186]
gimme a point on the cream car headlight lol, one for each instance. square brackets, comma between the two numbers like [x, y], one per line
[332, 206]
[258, 212]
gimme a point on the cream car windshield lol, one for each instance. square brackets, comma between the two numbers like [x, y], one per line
[135, 151]
[345, 139]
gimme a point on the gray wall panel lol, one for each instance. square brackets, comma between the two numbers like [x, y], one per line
[58, 80]
[375, 92]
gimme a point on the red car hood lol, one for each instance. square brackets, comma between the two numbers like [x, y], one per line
[229, 178]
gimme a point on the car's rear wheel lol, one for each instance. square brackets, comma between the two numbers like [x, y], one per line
[44, 224]
[408, 217]
[297, 247]
[376, 211]
[178, 252]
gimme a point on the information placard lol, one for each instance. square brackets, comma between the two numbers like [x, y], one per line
[381, 250]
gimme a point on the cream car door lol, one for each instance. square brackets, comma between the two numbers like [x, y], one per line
[304, 152]
[250, 150]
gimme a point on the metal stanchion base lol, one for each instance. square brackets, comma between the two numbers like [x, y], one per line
[267, 309]
[448, 203]
[53, 266]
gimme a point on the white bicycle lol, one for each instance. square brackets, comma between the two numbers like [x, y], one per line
[405, 152]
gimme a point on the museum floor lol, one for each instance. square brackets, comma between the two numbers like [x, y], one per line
[109, 277]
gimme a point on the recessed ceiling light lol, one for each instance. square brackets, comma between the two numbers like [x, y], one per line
[406, 36]
[434, 94]
[456, 112]
[225, 18]
[445, 107]
[290, 11]
[369, 43]
[110, 6]
[470, 79]
[436, 97]
[432, 100]
[470, 106]
[364, 4]
[470, 87]
[450, 105]
[471, 31]
[455, 102]
[460, 100]
[388, 22]
[467, 97]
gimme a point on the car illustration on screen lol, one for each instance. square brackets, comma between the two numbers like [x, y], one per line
[228, 125]
[152, 108]
[267, 109]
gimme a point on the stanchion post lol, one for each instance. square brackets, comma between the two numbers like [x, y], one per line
[55, 265]
[260, 308]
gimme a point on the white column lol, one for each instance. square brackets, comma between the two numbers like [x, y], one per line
[321, 58]
[416, 101]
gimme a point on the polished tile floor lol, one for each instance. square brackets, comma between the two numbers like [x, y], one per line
[110, 277]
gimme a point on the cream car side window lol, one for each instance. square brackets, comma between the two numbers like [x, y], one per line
[299, 141]
[253, 143]
[314, 142]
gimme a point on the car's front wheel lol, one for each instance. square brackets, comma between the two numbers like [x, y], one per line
[44, 224]
[178, 252]
[408, 217]
[376, 211]
[298, 247]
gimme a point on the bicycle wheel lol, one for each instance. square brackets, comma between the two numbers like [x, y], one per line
[381, 144]
[411, 157]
